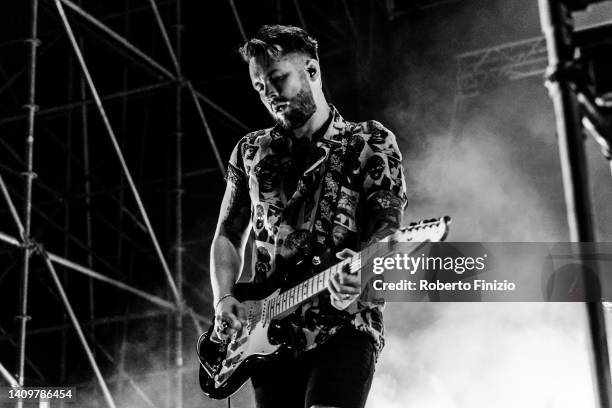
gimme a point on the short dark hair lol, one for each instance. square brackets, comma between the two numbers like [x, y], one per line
[278, 40]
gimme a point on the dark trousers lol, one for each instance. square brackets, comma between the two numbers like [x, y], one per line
[337, 373]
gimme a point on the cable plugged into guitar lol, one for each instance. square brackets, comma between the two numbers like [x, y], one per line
[211, 352]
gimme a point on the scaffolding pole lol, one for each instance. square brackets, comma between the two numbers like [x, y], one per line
[87, 190]
[124, 107]
[147, 59]
[111, 134]
[112, 34]
[175, 55]
[91, 273]
[557, 26]
[180, 249]
[4, 335]
[23, 317]
[98, 322]
[75, 322]
[87, 102]
[8, 377]
[211, 140]
[79, 243]
[129, 379]
[67, 186]
[12, 208]
[238, 21]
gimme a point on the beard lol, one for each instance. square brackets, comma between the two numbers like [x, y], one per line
[301, 108]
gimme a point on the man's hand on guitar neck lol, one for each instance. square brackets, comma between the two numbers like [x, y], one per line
[344, 286]
[230, 316]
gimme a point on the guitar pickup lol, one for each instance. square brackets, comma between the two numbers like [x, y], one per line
[232, 361]
[236, 344]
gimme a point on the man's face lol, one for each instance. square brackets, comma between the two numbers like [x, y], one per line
[284, 89]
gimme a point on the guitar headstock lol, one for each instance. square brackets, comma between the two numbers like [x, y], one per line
[433, 230]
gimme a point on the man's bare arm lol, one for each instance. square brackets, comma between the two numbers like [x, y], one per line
[230, 236]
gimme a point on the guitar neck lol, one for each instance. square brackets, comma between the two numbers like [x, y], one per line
[417, 233]
[318, 283]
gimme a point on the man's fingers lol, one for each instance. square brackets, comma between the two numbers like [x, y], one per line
[232, 320]
[241, 313]
[346, 279]
[342, 284]
[348, 290]
[346, 253]
[333, 291]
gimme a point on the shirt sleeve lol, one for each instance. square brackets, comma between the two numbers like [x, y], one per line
[383, 183]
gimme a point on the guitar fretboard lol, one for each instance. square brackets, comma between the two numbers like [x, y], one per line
[427, 231]
[311, 286]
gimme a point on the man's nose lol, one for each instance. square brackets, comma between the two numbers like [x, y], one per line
[270, 91]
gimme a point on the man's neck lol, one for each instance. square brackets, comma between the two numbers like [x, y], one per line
[315, 122]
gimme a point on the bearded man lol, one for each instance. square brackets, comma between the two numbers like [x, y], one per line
[300, 168]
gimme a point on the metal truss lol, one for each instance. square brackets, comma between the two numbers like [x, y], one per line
[30, 247]
[484, 69]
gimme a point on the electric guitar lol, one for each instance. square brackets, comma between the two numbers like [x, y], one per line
[226, 365]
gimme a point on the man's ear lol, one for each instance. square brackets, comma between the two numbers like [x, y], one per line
[312, 69]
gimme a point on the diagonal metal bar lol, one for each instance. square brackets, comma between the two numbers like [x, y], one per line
[111, 134]
[10, 240]
[112, 34]
[34, 368]
[75, 322]
[129, 379]
[164, 33]
[238, 21]
[298, 10]
[196, 320]
[12, 208]
[74, 105]
[91, 273]
[222, 111]
[146, 58]
[104, 321]
[8, 377]
[206, 128]
[9, 82]
[75, 240]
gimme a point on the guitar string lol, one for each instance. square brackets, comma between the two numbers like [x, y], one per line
[354, 266]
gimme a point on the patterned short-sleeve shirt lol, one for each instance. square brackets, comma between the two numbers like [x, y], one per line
[319, 198]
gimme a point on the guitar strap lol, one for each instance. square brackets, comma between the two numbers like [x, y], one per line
[331, 183]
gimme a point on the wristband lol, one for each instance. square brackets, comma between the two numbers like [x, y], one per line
[223, 297]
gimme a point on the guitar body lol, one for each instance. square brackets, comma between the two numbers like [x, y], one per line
[226, 365]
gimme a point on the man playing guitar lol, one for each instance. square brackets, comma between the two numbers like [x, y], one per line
[313, 189]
